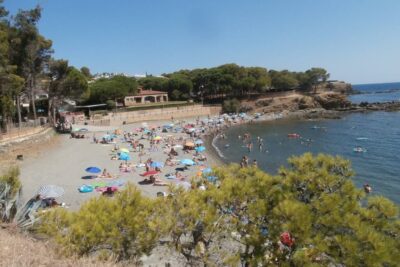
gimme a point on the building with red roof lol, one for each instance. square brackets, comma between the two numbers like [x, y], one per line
[146, 96]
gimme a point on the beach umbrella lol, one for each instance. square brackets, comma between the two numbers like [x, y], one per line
[189, 144]
[85, 189]
[200, 149]
[124, 156]
[188, 162]
[212, 179]
[185, 185]
[191, 130]
[93, 169]
[156, 164]
[207, 170]
[107, 136]
[157, 138]
[149, 173]
[124, 150]
[199, 142]
[50, 191]
[177, 146]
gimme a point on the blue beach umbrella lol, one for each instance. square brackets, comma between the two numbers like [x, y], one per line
[207, 170]
[155, 164]
[199, 142]
[93, 169]
[124, 156]
[200, 149]
[85, 189]
[188, 162]
[212, 179]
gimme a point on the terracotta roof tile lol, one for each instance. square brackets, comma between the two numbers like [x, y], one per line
[151, 92]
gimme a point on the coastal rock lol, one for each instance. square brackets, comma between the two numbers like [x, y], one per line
[308, 102]
[332, 101]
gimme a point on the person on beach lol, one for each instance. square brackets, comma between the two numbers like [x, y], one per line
[106, 174]
[250, 147]
[255, 164]
[245, 162]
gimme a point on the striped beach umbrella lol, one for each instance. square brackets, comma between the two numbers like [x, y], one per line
[50, 191]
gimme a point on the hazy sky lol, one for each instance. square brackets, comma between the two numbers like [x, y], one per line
[355, 40]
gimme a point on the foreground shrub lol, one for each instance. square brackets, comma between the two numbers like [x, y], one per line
[124, 227]
[310, 214]
[10, 188]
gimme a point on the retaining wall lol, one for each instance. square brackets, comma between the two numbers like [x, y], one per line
[39, 134]
[162, 114]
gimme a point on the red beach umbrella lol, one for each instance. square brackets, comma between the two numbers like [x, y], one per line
[149, 173]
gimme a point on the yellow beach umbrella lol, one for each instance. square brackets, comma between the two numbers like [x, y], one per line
[157, 138]
[124, 150]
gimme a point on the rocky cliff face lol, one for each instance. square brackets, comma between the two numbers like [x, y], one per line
[298, 101]
[332, 101]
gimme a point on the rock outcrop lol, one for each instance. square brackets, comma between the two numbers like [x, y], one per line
[332, 101]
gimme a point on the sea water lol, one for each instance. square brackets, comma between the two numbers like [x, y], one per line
[377, 133]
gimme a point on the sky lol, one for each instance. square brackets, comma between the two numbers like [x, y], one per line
[357, 41]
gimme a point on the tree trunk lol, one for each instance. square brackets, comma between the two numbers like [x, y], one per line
[49, 110]
[32, 91]
[19, 111]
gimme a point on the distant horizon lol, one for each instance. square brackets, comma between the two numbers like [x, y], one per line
[354, 43]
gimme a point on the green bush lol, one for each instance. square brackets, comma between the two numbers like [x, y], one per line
[231, 106]
[110, 104]
[11, 178]
[241, 219]
[124, 227]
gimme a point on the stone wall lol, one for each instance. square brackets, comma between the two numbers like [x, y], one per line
[37, 135]
[163, 114]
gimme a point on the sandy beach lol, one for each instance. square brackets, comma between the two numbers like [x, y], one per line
[64, 163]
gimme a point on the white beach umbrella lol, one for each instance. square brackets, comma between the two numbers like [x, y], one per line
[53, 191]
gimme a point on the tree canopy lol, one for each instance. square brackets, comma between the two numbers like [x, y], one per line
[232, 80]
[113, 88]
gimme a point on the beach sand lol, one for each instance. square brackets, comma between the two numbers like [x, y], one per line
[64, 164]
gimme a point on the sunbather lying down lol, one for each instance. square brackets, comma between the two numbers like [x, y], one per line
[154, 181]
[106, 174]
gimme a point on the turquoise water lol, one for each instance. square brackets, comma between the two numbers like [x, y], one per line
[376, 132]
